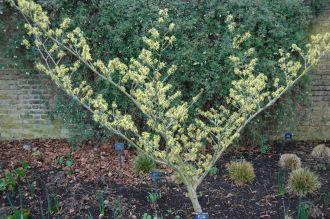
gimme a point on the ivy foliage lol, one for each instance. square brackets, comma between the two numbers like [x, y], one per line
[202, 48]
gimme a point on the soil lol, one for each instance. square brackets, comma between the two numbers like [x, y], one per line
[96, 173]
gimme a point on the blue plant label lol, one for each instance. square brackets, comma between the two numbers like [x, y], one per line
[202, 215]
[119, 146]
[288, 136]
[155, 175]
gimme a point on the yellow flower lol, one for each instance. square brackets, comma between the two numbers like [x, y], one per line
[65, 24]
[171, 27]
[154, 33]
[26, 43]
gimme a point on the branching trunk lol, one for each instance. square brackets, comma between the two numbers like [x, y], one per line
[192, 193]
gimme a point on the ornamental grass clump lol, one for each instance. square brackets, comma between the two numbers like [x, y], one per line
[176, 133]
[302, 182]
[241, 172]
[289, 162]
[144, 164]
[321, 152]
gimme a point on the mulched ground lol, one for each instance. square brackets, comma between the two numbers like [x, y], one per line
[97, 171]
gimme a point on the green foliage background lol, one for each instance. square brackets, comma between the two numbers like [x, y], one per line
[114, 29]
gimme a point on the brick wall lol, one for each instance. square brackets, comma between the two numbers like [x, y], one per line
[316, 122]
[23, 105]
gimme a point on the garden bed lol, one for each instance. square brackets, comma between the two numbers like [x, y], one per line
[78, 181]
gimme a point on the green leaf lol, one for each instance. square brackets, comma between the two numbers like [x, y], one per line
[20, 172]
[3, 185]
[61, 160]
[69, 163]
[25, 165]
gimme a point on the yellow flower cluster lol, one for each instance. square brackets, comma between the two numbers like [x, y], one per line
[26, 43]
[113, 65]
[239, 40]
[318, 46]
[34, 10]
[163, 15]
[152, 43]
[230, 23]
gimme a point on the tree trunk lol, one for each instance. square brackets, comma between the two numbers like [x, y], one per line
[194, 199]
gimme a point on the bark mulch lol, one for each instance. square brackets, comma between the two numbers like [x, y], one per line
[95, 172]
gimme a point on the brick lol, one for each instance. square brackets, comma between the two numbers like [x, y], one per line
[23, 113]
[35, 102]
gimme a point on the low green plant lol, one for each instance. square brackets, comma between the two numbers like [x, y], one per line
[171, 214]
[302, 182]
[303, 210]
[90, 216]
[3, 185]
[102, 204]
[41, 209]
[169, 211]
[322, 166]
[19, 214]
[281, 191]
[152, 199]
[53, 204]
[20, 173]
[326, 198]
[200, 194]
[321, 152]
[10, 179]
[213, 171]
[149, 216]
[144, 164]
[241, 172]
[24, 165]
[117, 208]
[287, 216]
[289, 162]
[66, 161]
[146, 216]
[264, 149]
[281, 183]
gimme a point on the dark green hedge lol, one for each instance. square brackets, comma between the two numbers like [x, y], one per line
[114, 29]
